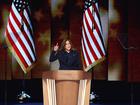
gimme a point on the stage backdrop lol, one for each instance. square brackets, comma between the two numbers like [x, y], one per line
[54, 20]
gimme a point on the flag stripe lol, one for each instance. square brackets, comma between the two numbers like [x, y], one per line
[20, 35]
[96, 9]
[25, 36]
[89, 17]
[28, 32]
[84, 61]
[92, 43]
[27, 18]
[91, 46]
[87, 50]
[12, 35]
[20, 41]
[27, 24]
[15, 48]
[28, 38]
[96, 27]
[99, 41]
[93, 20]
[86, 56]
[18, 17]
[93, 36]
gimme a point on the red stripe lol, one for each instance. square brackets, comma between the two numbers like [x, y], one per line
[96, 10]
[89, 45]
[94, 22]
[20, 41]
[23, 32]
[26, 22]
[89, 61]
[93, 37]
[16, 49]
[30, 31]
[85, 65]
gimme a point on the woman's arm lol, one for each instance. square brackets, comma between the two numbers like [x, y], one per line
[54, 53]
[53, 56]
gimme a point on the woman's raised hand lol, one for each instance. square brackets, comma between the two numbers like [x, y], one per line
[56, 47]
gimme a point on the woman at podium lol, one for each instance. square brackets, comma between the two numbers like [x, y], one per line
[68, 57]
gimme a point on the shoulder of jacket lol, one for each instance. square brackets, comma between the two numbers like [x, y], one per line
[75, 51]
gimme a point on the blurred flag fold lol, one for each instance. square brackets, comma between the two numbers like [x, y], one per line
[93, 49]
[19, 34]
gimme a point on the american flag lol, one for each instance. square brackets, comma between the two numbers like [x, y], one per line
[92, 43]
[19, 33]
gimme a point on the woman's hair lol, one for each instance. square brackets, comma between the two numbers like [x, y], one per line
[64, 43]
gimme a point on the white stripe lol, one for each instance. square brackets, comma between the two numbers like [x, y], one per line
[96, 4]
[91, 40]
[29, 36]
[99, 41]
[28, 19]
[85, 56]
[16, 13]
[95, 31]
[97, 38]
[98, 23]
[21, 36]
[87, 48]
[97, 19]
[89, 19]
[18, 45]
[19, 19]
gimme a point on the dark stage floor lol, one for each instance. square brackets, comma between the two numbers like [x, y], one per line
[100, 103]
[110, 92]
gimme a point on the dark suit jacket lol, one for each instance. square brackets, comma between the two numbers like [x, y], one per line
[68, 61]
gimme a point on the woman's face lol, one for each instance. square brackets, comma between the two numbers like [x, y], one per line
[67, 46]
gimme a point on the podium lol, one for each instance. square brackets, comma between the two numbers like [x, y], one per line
[66, 87]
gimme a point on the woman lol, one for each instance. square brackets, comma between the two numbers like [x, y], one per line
[68, 58]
